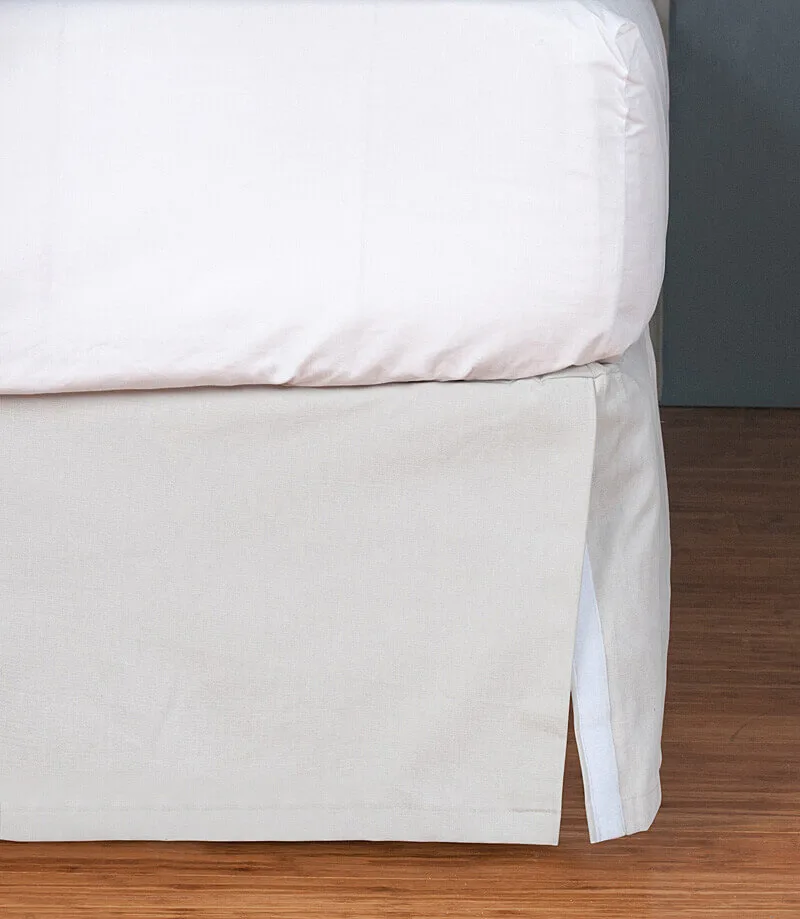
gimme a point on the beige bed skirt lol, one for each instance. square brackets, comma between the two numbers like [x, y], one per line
[359, 613]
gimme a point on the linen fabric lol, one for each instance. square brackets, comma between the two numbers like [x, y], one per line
[347, 613]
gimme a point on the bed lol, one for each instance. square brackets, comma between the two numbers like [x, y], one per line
[329, 432]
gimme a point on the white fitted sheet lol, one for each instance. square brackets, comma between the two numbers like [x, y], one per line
[328, 192]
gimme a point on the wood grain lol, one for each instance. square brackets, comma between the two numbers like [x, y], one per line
[727, 843]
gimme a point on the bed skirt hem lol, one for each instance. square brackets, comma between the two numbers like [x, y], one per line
[253, 824]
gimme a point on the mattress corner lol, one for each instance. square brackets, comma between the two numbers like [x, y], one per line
[632, 27]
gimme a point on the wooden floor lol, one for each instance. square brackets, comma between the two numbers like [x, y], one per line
[727, 842]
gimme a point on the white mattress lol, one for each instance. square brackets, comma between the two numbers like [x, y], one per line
[326, 192]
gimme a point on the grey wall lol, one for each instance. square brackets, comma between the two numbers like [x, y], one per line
[663, 11]
[731, 322]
